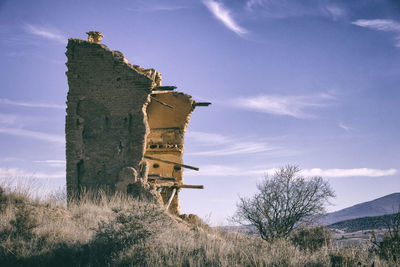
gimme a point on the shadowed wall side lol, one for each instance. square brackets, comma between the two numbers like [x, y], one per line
[106, 124]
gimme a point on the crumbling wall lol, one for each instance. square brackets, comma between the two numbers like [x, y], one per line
[106, 124]
[122, 126]
[166, 139]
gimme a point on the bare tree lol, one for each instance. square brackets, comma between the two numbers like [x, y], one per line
[283, 202]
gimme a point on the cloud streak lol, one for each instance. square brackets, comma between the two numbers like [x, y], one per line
[157, 8]
[7, 119]
[45, 33]
[293, 106]
[386, 25]
[52, 162]
[345, 127]
[224, 15]
[228, 145]
[33, 135]
[360, 172]
[221, 170]
[5, 101]
[10, 173]
[281, 9]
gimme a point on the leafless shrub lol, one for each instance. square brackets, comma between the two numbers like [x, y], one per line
[283, 202]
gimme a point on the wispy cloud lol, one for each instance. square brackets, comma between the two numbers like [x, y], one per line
[224, 15]
[237, 149]
[367, 172]
[221, 170]
[293, 8]
[227, 145]
[52, 162]
[345, 127]
[208, 138]
[289, 105]
[33, 135]
[386, 25]
[10, 173]
[5, 101]
[335, 12]
[46, 33]
[7, 119]
[154, 8]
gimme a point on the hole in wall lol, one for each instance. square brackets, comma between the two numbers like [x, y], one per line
[156, 165]
[177, 168]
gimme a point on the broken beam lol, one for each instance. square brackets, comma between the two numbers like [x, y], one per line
[201, 104]
[156, 176]
[171, 162]
[170, 198]
[162, 103]
[191, 186]
[173, 179]
[164, 88]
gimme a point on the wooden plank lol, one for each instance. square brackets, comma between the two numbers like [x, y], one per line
[171, 162]
[191, 186]
[170, 198]
[172, 179]
[153, 175]
[164, 88]
[162, 103]
[201, 104]
[164, 184]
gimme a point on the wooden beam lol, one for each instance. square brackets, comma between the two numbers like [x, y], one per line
[162, 103]
[164, 88]
[191, 186]
[164, 184]
[172, 179]
[174, 163]
[201, 104]
[170, 198]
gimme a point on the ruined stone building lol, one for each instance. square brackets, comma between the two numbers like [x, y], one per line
[124, 131]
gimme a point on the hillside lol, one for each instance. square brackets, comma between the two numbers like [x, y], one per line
[365, 223]
[377, 207]
[118, 230]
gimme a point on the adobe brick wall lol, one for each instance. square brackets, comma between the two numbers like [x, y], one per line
[106, 124]
[115, 118]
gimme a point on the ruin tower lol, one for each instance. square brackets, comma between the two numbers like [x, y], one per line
[122, 127]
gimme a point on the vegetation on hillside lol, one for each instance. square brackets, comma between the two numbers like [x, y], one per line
[118, 230]
[365, 223]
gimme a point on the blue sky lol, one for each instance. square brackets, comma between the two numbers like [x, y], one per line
[313, 83]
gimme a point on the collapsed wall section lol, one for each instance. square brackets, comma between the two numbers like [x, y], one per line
[106, 124]
[168, 116]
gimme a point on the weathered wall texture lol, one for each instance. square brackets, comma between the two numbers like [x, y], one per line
[166, 138]
[122, 127]
[106, 123]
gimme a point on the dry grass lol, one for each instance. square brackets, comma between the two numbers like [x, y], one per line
[117, 230]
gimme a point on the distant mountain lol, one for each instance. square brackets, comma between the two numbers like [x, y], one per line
[377, 207]
[365, 223]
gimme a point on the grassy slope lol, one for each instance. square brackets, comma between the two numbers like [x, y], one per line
[120, 231]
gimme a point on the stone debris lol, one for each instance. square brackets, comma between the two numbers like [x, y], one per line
[118, 117]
